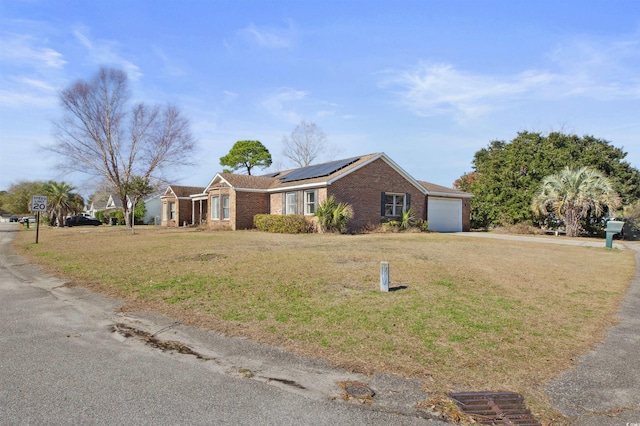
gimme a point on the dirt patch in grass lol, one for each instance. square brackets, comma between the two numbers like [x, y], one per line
[470, 314]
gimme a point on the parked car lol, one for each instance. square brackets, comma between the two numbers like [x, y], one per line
[13, 218]
[81, 220]
[30, 219]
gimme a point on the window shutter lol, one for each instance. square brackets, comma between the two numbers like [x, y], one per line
[382, 199]
[408, 201]
[284, 203]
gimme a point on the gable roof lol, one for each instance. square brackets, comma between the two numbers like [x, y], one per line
[308, 177]
[182, 191]
[114, 202]
[98, 205]
[433, 189]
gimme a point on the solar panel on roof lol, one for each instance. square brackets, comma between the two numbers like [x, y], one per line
[318, 170]
[271, 175]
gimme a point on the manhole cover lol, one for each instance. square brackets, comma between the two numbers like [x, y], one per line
[495, 408]
[357, 390]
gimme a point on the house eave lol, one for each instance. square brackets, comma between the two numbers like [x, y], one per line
[449, 194]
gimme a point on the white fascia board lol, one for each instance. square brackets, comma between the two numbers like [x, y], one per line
[449, 194]
[217, 177]
[295, 187]
[264, 191]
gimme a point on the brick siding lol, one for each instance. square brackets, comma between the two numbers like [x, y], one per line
[248, 204]
[184, 210]
[362, 189]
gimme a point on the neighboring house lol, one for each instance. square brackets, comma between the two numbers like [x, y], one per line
[96, 206]
[5, 218]
[375, 186]
[108, 205]
[153, 206]
[182, 205]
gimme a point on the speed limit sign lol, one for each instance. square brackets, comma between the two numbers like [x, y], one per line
[39, 203]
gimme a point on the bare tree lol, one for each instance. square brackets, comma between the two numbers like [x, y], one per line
[101, 136]
[306, 142]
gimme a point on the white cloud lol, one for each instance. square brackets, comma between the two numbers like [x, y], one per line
[36, 84]
[22, 99]
[599, 69]
[271, 38]
[434, 89]
[229, 96]
[106, 53]
[279, 104]
[588, 71]
[18, 49]
[170, 67]
[25, 92]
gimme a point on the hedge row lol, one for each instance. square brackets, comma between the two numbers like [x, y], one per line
[283, 224]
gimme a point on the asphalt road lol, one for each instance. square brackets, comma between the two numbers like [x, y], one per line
[61, 363]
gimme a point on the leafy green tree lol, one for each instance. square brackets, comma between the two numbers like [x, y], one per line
[631, 216]
[334, 216]
[574, 194]
[137, 188]
[17, 199]
[246, 154]
[60, 200]
[140, 211]
[76, 204]
[506, 176]
[3, 195]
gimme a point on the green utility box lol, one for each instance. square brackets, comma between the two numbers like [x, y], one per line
[613, 227]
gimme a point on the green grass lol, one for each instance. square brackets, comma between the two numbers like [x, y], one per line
[469, 313]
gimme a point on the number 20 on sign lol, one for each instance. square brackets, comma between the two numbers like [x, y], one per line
[39, 203]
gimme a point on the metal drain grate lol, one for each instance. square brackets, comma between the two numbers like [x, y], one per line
[495, 408]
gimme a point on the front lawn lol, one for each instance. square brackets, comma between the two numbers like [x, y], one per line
[466, 313]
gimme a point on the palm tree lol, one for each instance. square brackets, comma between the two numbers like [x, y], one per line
[573, 194]
[60, 199]
[333, 216]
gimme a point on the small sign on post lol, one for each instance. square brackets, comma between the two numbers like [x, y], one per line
[38, 204]
[384, 276]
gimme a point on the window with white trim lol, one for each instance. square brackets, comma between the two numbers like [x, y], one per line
[225, 207]
[310, 202]
[172, 210]
[291, 203]
[215, 208]
[394, 204]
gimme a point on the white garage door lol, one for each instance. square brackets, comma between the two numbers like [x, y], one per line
[444, 214]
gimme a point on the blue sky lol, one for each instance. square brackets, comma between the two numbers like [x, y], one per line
[427, 82]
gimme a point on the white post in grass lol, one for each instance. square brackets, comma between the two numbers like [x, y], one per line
[384, 276]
